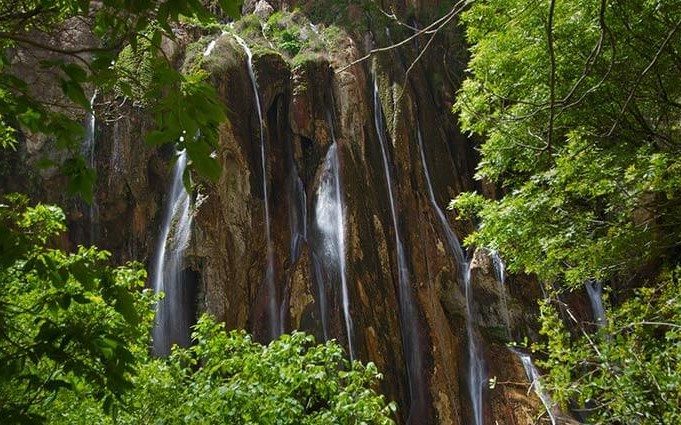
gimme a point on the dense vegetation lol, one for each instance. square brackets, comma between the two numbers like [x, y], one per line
[74, 348]
[578, 106]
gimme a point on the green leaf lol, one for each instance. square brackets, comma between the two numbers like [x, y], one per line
[74, 91]
[231, 7]
[125, 304]
[157, 138]
[202, 160]
[75, 72]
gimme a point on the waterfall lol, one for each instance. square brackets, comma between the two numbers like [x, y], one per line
[595, 292]
[297, 201]
[276, 324]
[173, 312]
[500, 274]
[533, 376]
[340, 235]
[452, 240]
[476, 367]
[411, 346]
[210, 47]
[88, 151]
[321, 289]
[330, 221]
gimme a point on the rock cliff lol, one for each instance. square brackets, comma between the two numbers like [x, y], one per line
[338, 271]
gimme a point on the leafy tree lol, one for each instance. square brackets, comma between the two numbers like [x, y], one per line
[578, 106]
[579, 109]
[66, 319]
[74, 348]
[181, 104]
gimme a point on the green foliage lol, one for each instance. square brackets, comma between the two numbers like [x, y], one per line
[630, 371]
[580, 120]
[74, 349]
[281, 28]
[229, 378]
[582, 133]
[66, 318]
[128, 59]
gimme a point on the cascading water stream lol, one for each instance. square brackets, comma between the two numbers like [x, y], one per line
[297, 201]
[476, 367]
[500, 274]
[88, 151]
[330, 221]
[340, 235]
[595, 292]
[173, 315]
[408, 310]
[452, 240]
[276, 324]
[534, 378]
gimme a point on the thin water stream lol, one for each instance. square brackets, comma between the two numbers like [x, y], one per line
[595, 292]
[173, 312]
[409, 316]
[534, 377]
[476, 367]
[275, 321]
[88, 151]
[500, 274]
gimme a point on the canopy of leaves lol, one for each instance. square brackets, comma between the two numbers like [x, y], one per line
[181, 104]
[579, 107]
[65, 319]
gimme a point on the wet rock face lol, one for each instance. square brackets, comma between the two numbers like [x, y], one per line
[308, 105]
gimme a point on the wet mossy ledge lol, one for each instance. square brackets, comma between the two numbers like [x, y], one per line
[290, 35]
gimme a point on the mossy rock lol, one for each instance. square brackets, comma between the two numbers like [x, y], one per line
[225, 54]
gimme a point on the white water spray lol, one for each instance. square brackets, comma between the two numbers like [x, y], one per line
[88, 151]
[500, 274]
[330, 221]
[276, 324]
[476, 367]
[173, 315]
[595, 292]
[408, 310]
[534, 378]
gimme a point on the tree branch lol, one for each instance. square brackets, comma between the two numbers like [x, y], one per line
[652, 63]
[433, 27]
[552, 77]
